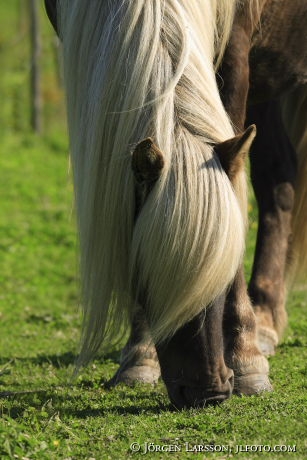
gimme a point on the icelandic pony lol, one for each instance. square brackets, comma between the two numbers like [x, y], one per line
[160, 190]
[160, 184]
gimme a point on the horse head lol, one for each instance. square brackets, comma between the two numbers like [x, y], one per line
[192, 360]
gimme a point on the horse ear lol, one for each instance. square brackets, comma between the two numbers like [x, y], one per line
[147, 162]
[232, 153]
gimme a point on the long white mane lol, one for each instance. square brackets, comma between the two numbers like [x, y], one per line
[133, 69]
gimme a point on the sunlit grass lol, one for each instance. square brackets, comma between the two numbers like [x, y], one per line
[46, 415]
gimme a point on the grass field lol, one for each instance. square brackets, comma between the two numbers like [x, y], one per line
[46, 415]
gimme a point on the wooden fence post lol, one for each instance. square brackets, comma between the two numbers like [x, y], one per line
[35, 77]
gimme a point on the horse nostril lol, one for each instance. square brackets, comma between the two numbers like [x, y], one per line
[185, 397]
[199, 398]
[231, 381]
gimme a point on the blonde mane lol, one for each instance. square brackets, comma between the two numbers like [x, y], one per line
[133, 69]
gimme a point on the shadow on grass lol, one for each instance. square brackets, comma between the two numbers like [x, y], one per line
[59, 361]
[65, 404]
[291, 343]
[80, 398]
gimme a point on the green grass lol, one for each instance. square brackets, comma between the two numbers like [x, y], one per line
[44, 413]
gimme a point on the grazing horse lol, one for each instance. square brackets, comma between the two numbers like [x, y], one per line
[158, 97]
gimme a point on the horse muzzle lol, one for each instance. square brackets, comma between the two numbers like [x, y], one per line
[185, 395]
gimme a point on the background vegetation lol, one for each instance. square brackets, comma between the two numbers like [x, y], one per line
[44, 415]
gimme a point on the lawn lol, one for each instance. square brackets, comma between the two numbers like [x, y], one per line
[45, 414]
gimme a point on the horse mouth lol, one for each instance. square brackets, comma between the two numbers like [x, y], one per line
[186, 397]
